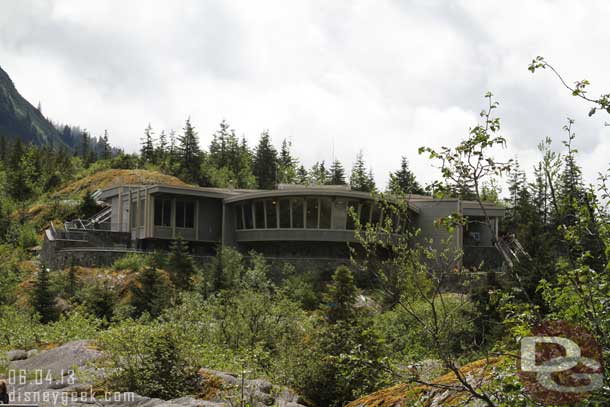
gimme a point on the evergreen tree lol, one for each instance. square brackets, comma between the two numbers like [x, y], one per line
[265, 163]
[161, 150]
[360, 179]
[18, 185]
[85, 148]
[43, 300]
[318, 174]
[302, 177]
[341, 296]
[403, 180]
[287, 171]
[149, 293]
[337, 173]
[180, 264]
[189, 154]
[243, 169]
[105, 146]
[72, 282]
[147, 149]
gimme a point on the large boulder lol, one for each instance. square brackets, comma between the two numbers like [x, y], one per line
[17, 354]
[218, 389]
[59, 361]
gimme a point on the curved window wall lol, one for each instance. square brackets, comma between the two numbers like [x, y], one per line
[309, 213]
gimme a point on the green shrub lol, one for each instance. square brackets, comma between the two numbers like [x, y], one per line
[150, 360]
[132, 261]
[78, 324]
[19, 328]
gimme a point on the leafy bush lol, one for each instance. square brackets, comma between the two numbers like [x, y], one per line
[19, 328]
[132, 261]
[78, 324]
[149, 359]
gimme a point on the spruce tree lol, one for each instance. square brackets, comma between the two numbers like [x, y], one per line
[161, 150]
[189, 154]
[43, 300]
[18, 185]
[302, 177]
[337, 173]
[318, 174]
[265, 163]
[149, 293]
[105, 146]
[403, 180]
[360, 179]
[287, 172]
[147, 149]
[85, 148]
[180, 264]
[341, 296]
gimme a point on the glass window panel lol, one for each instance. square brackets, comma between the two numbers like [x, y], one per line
[325, 213]
[312, 213]
[339, 214]
[376, 215]
[271, 208]
[133, 208]
[158, 212]
[259, 214]
[142, 206]
[189, 215]
[163, 211]
[239, 218]
[365, 213]
[297, 212]
[179, 214]
[351, 206]
[284, 213]
[167, 212]
[248, 215]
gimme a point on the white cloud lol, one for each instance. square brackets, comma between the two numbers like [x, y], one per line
[334, 77]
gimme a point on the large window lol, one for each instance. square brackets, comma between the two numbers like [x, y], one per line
[325, 213]
[376, 215]
[365, 214]
[239, 216]
[284, 213]
[163, 212]
[352, 212]
[271, 210]
[259, 214]
[296, 205]
[248, 224]
[185, 214]
[312, 213]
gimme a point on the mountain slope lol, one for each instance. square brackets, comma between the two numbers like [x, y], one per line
[19, 119]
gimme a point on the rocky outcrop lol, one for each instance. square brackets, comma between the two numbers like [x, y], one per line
[442, 391]
[46, 378]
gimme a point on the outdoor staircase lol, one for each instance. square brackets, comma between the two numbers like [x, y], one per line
[511, 250]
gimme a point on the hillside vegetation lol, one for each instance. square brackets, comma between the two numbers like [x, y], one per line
[20, 120]
[113, 177]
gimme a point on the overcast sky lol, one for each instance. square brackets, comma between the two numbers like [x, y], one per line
[333, 77]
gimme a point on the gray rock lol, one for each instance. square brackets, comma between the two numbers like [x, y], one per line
[33, 352]
[17, 354]
[59, 361]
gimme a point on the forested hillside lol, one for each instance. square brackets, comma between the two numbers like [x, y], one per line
[20, 120]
